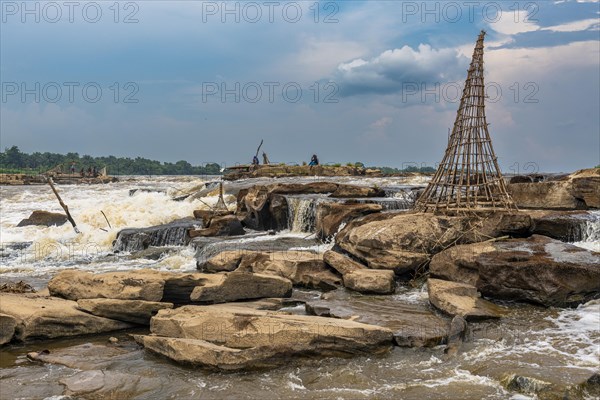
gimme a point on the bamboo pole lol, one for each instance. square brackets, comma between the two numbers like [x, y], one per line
[63, 205]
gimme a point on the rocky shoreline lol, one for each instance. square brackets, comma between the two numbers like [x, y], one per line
[246, 308]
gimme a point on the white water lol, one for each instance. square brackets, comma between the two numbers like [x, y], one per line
[59, 246]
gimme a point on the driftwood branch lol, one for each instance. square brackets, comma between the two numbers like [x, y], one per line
[64, 206]
[107, 221]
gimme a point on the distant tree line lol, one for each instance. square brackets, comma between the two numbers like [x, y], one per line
[412, 168]
[13, 160]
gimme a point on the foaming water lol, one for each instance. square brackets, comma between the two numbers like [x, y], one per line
[55, 247]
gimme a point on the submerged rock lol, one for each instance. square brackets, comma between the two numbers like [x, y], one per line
[537, 269]
[134, 311]
[232, 338]
[44, 218]
[103, 384]
[50, 317]
[413, 325]
[461, 299]
[456, 335]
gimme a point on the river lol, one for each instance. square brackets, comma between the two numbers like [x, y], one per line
[555, 345]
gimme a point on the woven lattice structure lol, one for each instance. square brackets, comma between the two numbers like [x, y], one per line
[468, 178]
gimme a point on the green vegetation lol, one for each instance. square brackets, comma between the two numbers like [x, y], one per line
[12, 160]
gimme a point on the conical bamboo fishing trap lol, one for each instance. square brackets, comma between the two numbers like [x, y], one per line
[468, 178]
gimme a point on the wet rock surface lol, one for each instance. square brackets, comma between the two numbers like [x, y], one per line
[172, 234]
[461, 299]
[537, 269]
[8, 325]
[330, 216]
[44, 218]
[414, 325]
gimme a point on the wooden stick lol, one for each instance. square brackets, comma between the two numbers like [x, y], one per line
[63, 205]
[106, 219]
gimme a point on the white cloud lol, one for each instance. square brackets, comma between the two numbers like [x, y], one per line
[381, 123]
[511, 23]
[387, 72]
[575, 26]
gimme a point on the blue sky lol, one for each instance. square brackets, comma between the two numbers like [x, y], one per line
[379, 79]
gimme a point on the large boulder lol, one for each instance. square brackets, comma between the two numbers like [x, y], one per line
[40, 317]
[413, 323]
[44, 218]
[580, 190]
[537, 269]
[232, 286]
[134, 311]
[586, 186]
[236, 337]
[567, 226]
[330, 216]
[405, 242]
[461, 299]
[303, 268]
[359, 278]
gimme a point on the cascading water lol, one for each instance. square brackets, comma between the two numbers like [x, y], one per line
[302, 212]
[590, 232]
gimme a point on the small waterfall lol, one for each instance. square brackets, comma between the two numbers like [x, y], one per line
[302, 213]
[171, 234]
[590, 230]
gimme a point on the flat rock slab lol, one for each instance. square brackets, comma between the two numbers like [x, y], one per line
[178, 288]
[537, 269]
[232, 286]
[303, 268]
[461, 299]
[233, 337]
[414, 325]
[50, 317]
[134, 311]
